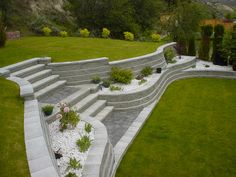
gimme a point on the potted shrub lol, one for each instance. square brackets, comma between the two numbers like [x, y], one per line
[47, 110]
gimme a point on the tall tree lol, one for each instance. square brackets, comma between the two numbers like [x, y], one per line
[206, 32]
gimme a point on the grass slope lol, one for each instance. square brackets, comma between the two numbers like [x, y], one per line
[12, 147]
[72, 48]
[190, 133]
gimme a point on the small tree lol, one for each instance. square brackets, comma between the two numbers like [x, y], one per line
[206, 32]
[3, 36]
[181, 42]
[191, 46]
[217, 56]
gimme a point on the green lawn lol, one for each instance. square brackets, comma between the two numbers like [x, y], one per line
[12, 147]
[72, 48]
[191, 133]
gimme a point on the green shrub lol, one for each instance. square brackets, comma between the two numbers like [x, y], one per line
[3, 36]
[47, 110]
[83, 143]
[96, 79]
[106, 33]
[169, 55]
[74, 164]
[46, 31]
[156, 37]
[67, 117]
[142, 81]
[88, 127]
[146, 71]
[119, 75]
[63, 34]
[115, 88]
[106, 83]
[84, 32]
[128, 36]
[71, 175]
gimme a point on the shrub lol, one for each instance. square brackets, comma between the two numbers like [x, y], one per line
[106, 83]
[3, 36]
[169, 55]
[142, 81]
[156, 37]
[139, 77]
[83, 143]
[71, 175]
[106, 33]
[129, 36]
[191, 46]
[74, 164]
[46, 31]
[84, 32]
[119, 75]
[96, 79]
[115, 88]
[206, 32]
[88, 127]
[146, 71]
[67, 117]
[47, 110]
[63, 34]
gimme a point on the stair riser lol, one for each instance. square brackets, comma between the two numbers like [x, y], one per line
[33, 80]
[77, 99]
[98, 110]
[45, 84]
[89, 103]
[30, 72]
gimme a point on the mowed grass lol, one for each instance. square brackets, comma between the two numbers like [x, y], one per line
[72, 49]
[190, 133]
[13, 162]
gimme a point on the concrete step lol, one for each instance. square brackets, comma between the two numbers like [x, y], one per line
[49, 89]
[38, 76]
[29, 71]
[104, 113]
[95, 108]
[86, 102]
[45, 82]
[82, 82]
[77, 96]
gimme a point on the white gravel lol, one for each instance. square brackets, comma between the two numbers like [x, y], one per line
[201, 65]
[66, 142]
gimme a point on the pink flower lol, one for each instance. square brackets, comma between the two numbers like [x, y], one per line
[66, 109]
[59, 116]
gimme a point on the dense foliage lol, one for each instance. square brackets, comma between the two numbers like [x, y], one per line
[2, 33]
[206, 32]
[120, 75]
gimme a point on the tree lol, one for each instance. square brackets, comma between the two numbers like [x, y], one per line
[217, 56]
[191, 46]
[233, 48]
[206, 32]
[2, 33]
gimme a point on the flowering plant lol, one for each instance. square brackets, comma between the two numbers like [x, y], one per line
[68, 117]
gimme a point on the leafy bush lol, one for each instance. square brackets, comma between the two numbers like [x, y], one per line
[106, 83]
[71, 175]
[206, 32]
[88, 127]
[139, 77]
[169, 55]
[156, 37]
[67, 117]
[46, 31]
[74, 164]
[129, 36]
[84, 32]
[83, 143]
[63, 34]
[146, 71]
[106, 33]
[115, 88]
[142, 81]
[96, 79]
[47, 110]
[119, 75]
[3, 36]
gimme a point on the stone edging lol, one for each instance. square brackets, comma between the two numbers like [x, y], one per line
[125, 142]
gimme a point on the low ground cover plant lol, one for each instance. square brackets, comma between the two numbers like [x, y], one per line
[68, 117]
[47, 110]
[74, 164]
[96, 79]
[83, 143]
[70, 174]
[142, 81]
[128, 36]
[123, 76]
[84, 32]
[146, 71]
[115, 88]
[88, 127]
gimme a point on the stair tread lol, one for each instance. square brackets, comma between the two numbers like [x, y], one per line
[38, 74]
[45, 80]
[76, 95]
[49, 88]
[23, 71]
[104, 113]
[81, 104]
[99, 104]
